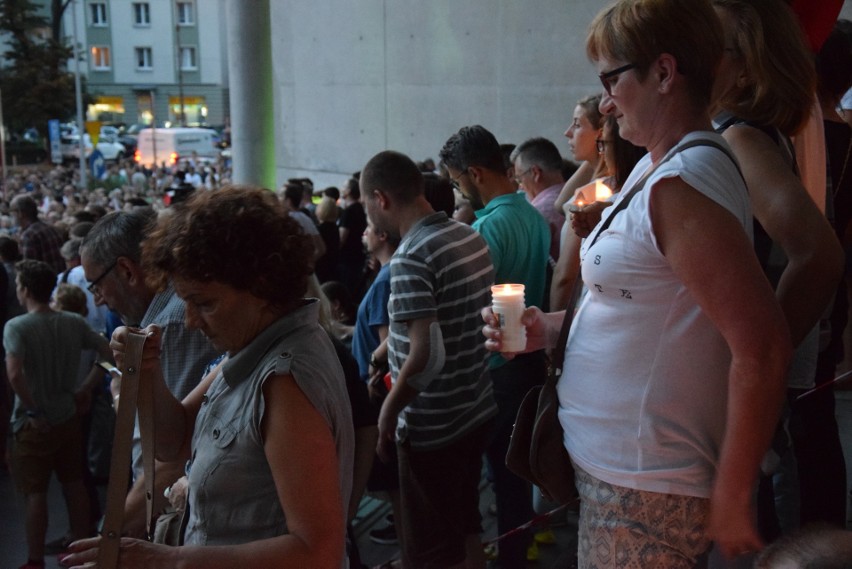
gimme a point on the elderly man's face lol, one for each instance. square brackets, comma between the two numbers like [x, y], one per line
[111, 289]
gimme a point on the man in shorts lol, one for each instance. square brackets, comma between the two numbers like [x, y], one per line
[42, 358]
[440, 410]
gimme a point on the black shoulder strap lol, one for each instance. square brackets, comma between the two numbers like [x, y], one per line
[640, 185]
[712, 144]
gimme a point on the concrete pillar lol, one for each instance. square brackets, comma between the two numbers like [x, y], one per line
[250, 81]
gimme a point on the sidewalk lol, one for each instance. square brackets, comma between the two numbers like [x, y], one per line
[13, 543]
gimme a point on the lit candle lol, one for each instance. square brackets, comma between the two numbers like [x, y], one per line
[602, 191]
[508, 307]
[576, 205]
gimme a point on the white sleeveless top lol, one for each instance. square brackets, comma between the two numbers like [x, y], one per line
[644, 388]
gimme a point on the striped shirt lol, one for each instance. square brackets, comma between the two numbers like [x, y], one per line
[442, 269]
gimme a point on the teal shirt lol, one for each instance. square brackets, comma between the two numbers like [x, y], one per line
[50, 345]
[518, 239]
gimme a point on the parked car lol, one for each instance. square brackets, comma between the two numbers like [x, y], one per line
[120, 134]
[69, 143]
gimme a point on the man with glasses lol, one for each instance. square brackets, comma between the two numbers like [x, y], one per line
[518, 240]
[538, 168]
[111, 256]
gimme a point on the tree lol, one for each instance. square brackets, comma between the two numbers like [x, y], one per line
[36, 85]
[57, 8]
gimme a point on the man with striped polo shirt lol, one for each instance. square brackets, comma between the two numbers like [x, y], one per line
[440, 409]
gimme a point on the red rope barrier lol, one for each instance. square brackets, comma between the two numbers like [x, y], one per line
[539, 520]
[835, 381]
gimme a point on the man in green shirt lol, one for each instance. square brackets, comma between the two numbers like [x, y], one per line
[518, 240]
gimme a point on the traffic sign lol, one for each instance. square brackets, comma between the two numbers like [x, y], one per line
[93, 128]
[97, 165]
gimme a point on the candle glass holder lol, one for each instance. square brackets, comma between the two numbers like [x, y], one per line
[507, 303]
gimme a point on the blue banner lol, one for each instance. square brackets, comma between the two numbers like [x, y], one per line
[53, 138]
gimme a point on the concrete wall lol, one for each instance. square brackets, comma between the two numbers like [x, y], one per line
[354, 78]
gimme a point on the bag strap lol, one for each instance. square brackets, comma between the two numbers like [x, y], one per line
[147, 428]
[556, 370]
[558, 357]
[119, 473]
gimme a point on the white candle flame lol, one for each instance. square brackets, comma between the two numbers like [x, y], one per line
[602, 191]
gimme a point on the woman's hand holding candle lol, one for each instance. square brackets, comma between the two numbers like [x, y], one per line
[542, 330]
[585, 210]
[584, 220]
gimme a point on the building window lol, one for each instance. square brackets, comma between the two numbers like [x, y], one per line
[100, 57]
[99, 15]
[141, 14]
[185, 14]
[187, 59]
[143, 58]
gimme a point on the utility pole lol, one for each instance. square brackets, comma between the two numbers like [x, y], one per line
[154, 129]
[3, 147]
[81, 127]
[182, 117]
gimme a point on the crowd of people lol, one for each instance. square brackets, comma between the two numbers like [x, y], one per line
[308, 345]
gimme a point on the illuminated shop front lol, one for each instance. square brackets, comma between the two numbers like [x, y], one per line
[194, 108]
[106, 109]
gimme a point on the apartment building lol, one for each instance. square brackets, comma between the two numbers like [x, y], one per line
[153, 60]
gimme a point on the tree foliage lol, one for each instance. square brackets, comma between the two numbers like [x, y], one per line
[36, 86]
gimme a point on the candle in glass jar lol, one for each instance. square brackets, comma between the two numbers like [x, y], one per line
[507, 303]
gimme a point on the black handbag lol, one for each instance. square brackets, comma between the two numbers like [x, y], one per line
[536, 450]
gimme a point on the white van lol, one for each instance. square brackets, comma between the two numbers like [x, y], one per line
[173, 145]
